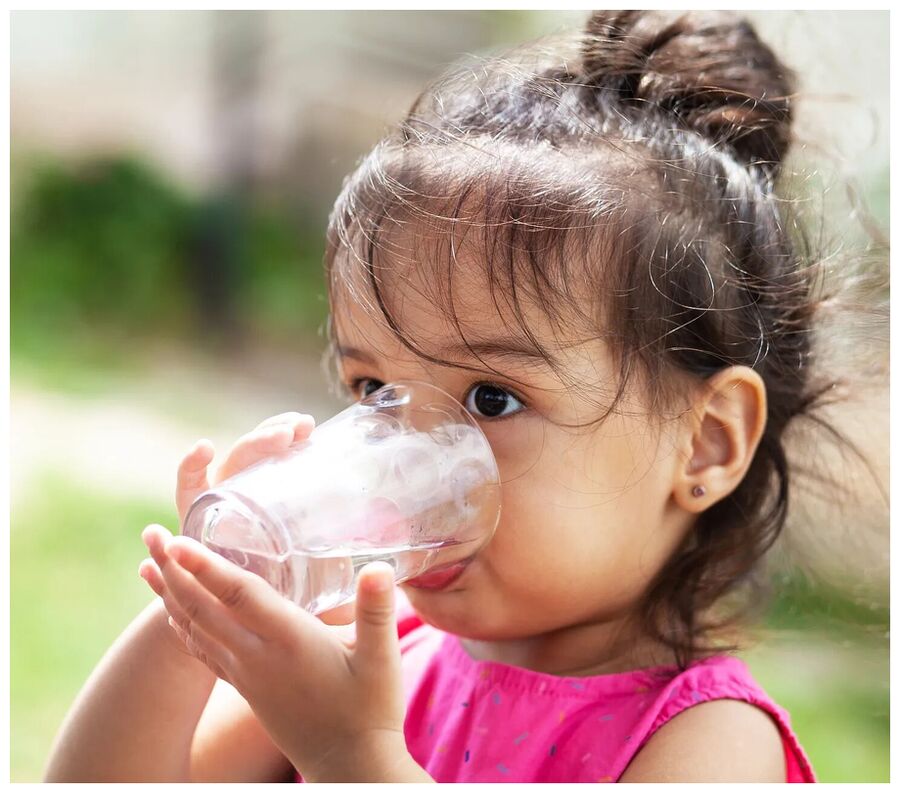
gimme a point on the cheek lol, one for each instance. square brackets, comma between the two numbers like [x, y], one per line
[581, 531]
[548, 492]
[547, 543]
[581, 524]
[519, 445]
[555, 564]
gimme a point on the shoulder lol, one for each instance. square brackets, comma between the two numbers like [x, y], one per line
[723, 740]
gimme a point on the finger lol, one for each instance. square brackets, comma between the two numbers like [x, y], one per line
[253, 447]
[203, 609]
[149, 571]
[154, 537]
[192, 479]
[376, 625]
[293, 418]
[202, 646]
[250, 599]
[271, 437]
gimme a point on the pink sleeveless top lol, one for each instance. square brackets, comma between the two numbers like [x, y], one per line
[479, 721]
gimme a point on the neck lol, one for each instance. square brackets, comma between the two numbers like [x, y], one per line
[594, 648]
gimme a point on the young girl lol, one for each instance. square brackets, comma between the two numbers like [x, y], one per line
[583, 244]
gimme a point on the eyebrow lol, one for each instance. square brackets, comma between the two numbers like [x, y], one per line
[510, 349]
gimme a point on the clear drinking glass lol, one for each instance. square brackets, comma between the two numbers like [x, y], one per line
[404, 475]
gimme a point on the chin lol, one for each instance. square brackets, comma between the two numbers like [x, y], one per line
[447, 611]
[452, 612]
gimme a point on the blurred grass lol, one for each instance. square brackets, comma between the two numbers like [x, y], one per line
[75, 587]
[826, 659]
[837, 696]
[76, 363]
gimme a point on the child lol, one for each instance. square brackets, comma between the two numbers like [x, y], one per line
[583, 245]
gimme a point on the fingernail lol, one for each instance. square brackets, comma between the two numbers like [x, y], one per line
[381, 582]
[149, 531]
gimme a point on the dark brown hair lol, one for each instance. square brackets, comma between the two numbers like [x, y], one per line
[623, 180]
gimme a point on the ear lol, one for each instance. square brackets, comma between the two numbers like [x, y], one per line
[726, 424]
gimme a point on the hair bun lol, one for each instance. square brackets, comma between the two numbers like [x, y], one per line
[708, 69]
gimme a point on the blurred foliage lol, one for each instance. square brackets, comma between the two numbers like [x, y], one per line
[109, 247]
[99, 243]
[878, 196]
[852, 610]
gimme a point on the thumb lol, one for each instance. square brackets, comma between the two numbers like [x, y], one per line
[376, 625]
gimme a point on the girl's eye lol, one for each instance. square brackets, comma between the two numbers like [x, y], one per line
[484, 399]
[491, 401]
[371, 386]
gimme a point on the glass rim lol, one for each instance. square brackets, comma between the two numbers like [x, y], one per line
[467, 415]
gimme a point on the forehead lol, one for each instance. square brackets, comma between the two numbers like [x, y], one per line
[443, 287]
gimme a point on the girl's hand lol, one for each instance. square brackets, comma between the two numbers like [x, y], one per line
[272, 436]
[332, 704]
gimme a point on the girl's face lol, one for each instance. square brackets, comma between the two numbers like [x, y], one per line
[587, 515]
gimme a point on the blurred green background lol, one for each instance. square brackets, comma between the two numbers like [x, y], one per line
[172, 175]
